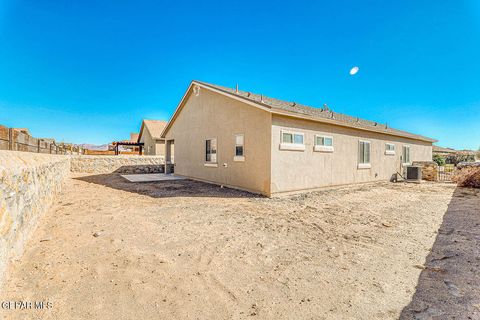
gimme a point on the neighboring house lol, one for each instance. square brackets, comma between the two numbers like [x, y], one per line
[268, 146]
[443, 151]
[473, 154]
[134, 139]
[446, 152]
[130, 146]
[150, 136]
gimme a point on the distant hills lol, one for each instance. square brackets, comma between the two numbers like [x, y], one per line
[103, 147]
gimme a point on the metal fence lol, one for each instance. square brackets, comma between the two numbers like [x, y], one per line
[446, 172]
[19, 140]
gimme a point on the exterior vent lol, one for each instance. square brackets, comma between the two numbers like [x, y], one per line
[196, 90]
[414, 173]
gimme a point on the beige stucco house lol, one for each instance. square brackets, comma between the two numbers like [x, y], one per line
[268, 146]
[150, 136]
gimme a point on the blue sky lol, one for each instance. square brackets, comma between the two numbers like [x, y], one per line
[89, 71]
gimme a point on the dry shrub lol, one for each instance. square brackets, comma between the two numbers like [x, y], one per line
[468, 177]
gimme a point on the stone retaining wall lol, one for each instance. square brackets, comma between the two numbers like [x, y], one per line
[118, 164]
[28, 185]
[30, 181]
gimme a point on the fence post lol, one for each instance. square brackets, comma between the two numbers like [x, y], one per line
[10, 139]
[38, 145]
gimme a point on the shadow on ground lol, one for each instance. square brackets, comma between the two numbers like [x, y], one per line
[449, 285]
[139, 168]
[164, 189]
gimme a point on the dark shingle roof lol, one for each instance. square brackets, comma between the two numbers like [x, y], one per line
[294, 108]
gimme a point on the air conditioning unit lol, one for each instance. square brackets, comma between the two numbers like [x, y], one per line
[414, 173]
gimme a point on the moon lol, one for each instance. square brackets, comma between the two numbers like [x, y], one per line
[354, 71]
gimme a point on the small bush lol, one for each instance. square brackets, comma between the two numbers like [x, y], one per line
[439, 159]
[468, 177]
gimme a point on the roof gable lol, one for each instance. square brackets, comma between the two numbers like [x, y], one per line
[154, 127]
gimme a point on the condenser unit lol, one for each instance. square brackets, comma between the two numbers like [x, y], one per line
[414, 173]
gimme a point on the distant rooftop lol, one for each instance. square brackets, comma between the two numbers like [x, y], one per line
[442, 149]
[133, 137]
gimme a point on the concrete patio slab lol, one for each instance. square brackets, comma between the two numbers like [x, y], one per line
[150, 177]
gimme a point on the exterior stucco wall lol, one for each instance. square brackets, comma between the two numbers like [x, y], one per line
[152, 146]
[309, 169]
[160, 147]
[211, 115]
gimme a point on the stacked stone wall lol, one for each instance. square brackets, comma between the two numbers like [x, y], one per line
[29, 183]
[117, 164]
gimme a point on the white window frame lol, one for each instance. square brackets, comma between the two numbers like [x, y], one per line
[210, 163]
[405, 146]
[292, 146]
[389, 152]
[242, 157]
[364, 165]
[322, 148]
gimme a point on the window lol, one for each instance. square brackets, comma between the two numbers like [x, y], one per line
[292, 141]
[295, 138]
[389, 149]
[323, 143]
[211, 150]
[239, 148]
[364, 154]
[406, 155]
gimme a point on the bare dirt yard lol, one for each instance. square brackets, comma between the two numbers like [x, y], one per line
[111, 249]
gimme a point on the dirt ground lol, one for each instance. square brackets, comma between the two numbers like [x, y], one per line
[111, 249]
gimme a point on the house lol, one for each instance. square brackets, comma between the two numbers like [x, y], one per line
[133, 136]
[441, 151]
[268, 146]
[469, 155]
[130, 146]
[134, 139]
[150, 136]
[460, 155]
